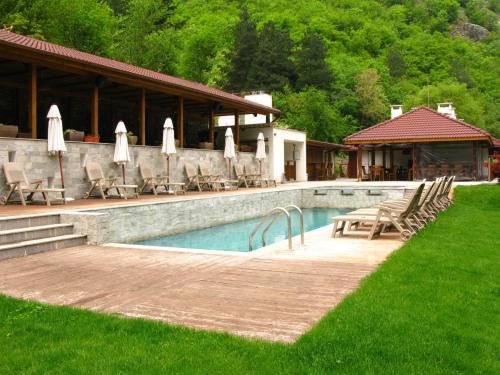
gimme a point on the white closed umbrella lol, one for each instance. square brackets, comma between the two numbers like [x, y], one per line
[122, 155]
[168, 144]
[260, 155]
[229, 152]
[55, 137]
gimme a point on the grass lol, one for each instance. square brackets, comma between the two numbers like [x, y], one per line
[433, 307]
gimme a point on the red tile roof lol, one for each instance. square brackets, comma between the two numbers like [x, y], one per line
[16, 41]
[421, 124]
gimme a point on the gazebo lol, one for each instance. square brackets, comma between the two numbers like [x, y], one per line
[422, 143]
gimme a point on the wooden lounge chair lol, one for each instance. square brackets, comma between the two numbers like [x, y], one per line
[240, 175]
[106, 185]
[258, 180]
[194, 180]
[399, 218]
[214, 180]
[19, 183]
[154, 182]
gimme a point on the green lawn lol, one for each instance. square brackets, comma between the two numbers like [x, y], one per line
[432, 307]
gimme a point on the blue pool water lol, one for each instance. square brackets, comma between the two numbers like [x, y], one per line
[234, 236]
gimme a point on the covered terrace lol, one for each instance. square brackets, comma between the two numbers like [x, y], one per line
[422, 143]
[93, 93]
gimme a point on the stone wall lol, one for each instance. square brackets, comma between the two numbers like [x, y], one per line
[136, 222]
[32, 153]
[332, 197]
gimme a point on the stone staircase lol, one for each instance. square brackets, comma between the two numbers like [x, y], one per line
[31, 234]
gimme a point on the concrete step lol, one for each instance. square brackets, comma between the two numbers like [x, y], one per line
[34, 233]
[40, 245]
[24, 221]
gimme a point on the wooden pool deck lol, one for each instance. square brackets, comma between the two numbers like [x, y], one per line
[274, 295]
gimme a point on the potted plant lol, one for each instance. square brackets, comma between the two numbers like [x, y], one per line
[132, 139]
[92, 138]
[73, 135]
[8, 131]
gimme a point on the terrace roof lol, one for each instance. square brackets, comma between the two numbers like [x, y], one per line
[26, 49]
[421, 124]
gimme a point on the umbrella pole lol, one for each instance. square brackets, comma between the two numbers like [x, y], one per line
[61, 169]
[229, 169]
[260, 167]
[123, 173]
[168, 168]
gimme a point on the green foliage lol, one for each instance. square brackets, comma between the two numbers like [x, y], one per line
[245, 48]
[371, 96]
[273, 44]
[272, 68]
[311, 67]
[312, 111]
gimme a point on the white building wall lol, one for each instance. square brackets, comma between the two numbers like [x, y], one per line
[276, 139]
[264, 99]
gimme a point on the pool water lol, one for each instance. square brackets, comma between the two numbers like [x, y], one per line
[234, 236]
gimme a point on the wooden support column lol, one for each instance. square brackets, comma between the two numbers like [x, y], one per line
[142, 119]
[237, 129]
[373, 156]
[268, 118]
[33, 100]
[359, 155]
[95, 112]
[414, 162]
[211, 124]
[180, 121]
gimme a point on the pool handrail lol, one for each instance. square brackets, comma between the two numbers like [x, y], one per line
[301, 215]
[276, 218]
[270, 214]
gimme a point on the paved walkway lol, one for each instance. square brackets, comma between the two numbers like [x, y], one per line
[273, 294]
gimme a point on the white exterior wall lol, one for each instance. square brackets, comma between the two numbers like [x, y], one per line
[276, 139]
[264, 99]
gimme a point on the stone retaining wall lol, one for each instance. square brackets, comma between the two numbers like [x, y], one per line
[136, 222]
[32, 153]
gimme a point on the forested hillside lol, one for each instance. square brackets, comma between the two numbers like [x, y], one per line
[332, 66]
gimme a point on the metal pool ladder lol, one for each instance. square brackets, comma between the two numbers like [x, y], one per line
[275, 214]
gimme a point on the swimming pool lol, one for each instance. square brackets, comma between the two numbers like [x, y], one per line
[234, 236]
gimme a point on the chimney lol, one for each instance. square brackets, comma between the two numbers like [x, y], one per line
[447, 109]
[396, 110]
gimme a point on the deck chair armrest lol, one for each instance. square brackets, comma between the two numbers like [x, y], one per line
[33, 182]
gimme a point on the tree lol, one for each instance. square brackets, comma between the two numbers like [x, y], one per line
[245, 47]
[312, 111]
[142, 28]
[311, 67]
[396, 62]
[272, 68]
[371, 97]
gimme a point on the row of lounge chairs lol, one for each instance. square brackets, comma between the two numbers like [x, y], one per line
[407, 215]
[106, 187]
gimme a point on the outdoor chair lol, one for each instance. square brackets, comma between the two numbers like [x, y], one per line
[214, 180]
[106, 185]
[377, 173]
[194, 179]
[255, 177]
[398, 217]
[18, 183]
[365, 175]
[240, 175]
[154, 182]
